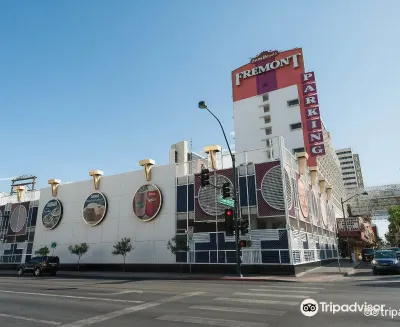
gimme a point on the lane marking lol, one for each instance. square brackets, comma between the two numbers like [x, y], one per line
[117, 293]
[295, 287]
[71, 297]
[210, 321]
[48, 322]
[118, 313]
[127, 292]
[242, 310]
[283, 291]
[256, 301]
[273, 295]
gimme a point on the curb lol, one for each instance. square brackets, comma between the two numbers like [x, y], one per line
[351, 272]
[183, 278]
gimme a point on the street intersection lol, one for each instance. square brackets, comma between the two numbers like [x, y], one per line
[67, 302]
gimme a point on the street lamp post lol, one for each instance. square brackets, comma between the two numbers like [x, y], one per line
[202, 105]
[345, 222]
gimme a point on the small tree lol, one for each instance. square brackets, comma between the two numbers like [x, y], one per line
[393, 236]
[176, 246]
[123, 247]
[43, 251]
[79, 250]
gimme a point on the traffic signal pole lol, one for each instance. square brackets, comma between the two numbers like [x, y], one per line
[202, 105]
[235, 214]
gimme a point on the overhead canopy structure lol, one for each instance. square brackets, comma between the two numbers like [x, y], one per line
[376, 203]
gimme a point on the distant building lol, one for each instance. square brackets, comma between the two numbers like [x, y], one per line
[180, 154]
[351, 168]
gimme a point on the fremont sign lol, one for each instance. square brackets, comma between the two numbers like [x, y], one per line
[267, 67]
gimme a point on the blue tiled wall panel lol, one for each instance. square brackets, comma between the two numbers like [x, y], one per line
[212, 245]
[230, 256]
[251, 182]
[185, 198]
[282, 243]
[191, 197]
[270, 256]
[202, 257]
[213, 257]
[285, 257]
[181, 198]
[243, 191]
[221, 256]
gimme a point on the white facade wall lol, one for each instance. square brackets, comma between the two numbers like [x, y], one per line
[149, 239]
[250, 125]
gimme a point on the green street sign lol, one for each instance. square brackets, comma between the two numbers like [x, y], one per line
[227, 202]
[53, 245]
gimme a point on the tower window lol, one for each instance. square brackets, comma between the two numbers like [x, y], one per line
[295, 126]
[293, 102]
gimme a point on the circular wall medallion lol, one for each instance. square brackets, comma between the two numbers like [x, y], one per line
[52, 214]
[209, 196]
[303, 199]
[147, 202]
[94, 209]
[18, 218]
[272, 189]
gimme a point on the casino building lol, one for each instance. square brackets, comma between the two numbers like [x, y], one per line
[288, 197]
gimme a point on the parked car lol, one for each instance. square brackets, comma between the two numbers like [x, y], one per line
[367, 254]
[40, 265]
[385, 261]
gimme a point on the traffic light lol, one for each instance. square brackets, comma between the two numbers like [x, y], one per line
[242, 243]
[229, 226]
[205, 177]
[244, 227]
[226, 190]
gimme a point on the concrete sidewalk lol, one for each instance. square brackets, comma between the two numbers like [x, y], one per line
[331, 272]
[321, 274]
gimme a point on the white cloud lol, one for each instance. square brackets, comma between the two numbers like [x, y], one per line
[232, 133]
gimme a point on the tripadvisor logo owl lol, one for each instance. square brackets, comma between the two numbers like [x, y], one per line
[309, 307]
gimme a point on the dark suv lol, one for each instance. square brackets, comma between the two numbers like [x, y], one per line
[367, 254]
[40, 265]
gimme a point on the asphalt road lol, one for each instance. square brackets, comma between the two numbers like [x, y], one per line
[52, 301]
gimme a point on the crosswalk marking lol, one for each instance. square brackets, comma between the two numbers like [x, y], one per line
[294, 287]
[272, 295]
[210, 321]
[242, 310]
[256, 301]
[283, 291]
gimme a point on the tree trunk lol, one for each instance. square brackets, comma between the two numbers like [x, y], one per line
[123, 268]
[79, 259]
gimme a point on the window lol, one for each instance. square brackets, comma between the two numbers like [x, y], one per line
[176, 156]
[295, 126]
[265, 97]
[268, 131]
[266, 107]
[268, 142]
[298, 150]
[293, 102]
[267, 119]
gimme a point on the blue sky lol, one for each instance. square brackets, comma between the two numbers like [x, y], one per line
[101, 84]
